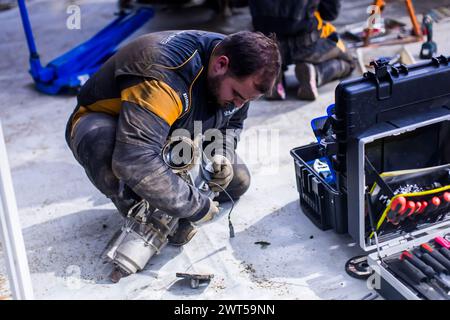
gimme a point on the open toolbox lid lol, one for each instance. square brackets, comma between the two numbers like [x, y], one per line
[376, 145]
[399, 117]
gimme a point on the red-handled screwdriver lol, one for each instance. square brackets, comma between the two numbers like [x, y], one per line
[425, 247]
[436, 202]
[398, 207]
[442, 242]
[418, 263]
[426, 269]
[423, 207]
[444, 246]
[410, 209]
[418, 206]
[446, 197]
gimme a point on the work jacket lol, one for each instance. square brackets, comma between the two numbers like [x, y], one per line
[291, 17]
[154, 85]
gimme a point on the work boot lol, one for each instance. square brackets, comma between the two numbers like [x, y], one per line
[307, 77]
[184, 233]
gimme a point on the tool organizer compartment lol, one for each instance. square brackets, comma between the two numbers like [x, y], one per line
[320, 201]
[415, 164]
[403, 275]
[415, 173]
[387, 141]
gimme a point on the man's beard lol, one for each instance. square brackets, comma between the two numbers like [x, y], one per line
[213, 85]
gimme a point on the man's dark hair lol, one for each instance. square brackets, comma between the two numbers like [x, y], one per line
[252, 53]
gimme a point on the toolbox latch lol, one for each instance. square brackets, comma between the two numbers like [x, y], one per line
[382, 74]
[437, 61]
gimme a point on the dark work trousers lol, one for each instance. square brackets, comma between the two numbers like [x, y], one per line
[92, 144]
[331, 62]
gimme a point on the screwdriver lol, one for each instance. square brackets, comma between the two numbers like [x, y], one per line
[418, 207]
[446, 199]
[436, 202]
[446, 196]
[415, 278]
[445, 245]
[429, 260]
[398, 206]
[417, 210]
[412, 272]
[423, 207]
[402, 209]
[406, 255]
[436, 255]
[410, 209]
[426, 269]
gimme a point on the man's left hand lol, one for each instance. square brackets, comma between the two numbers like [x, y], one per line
[223, 173]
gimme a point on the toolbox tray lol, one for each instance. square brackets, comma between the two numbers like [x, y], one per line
[321, 203]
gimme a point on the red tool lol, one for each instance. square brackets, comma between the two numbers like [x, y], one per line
[446, 199]
[418, 207]
[404, 211]
[423, 207]
[444, 243]
[410, 209]
[399, 205]
[423, 267]
[436, 255]
[436, 202]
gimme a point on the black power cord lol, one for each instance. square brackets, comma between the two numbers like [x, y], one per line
[230, 224]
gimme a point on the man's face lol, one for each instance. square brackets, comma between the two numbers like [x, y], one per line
[227, 89]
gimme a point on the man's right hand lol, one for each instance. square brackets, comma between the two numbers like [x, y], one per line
[212, 212]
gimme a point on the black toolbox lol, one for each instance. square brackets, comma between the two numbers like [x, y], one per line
[394, 119]
[321, 202]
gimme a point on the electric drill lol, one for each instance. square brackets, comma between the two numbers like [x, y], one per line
[429, 48]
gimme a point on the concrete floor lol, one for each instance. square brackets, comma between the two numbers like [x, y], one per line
[67, 222]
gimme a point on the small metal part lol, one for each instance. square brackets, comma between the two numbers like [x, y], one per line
[195, 279]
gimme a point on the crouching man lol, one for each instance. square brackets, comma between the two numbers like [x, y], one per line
[156, 84]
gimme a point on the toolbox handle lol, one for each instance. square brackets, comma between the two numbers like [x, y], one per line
[382, 72]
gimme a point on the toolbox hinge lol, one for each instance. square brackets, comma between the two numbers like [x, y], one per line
[393, 244]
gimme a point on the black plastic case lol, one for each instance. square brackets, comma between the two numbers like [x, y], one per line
[321, 203]
[399, 118]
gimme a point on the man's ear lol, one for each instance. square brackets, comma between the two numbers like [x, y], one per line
[220, 65]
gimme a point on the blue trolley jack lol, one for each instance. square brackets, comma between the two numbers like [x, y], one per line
[72, 69]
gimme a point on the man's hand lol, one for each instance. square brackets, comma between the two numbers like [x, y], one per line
[212, 212]
[223, 173]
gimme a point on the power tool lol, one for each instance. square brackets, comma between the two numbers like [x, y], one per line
[146, 229]
[429, 48]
